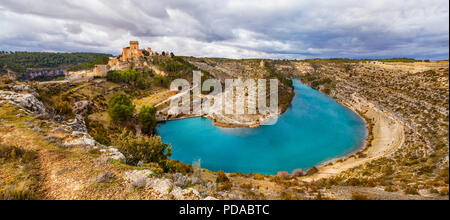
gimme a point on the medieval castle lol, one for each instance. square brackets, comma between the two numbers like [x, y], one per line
[131, 54]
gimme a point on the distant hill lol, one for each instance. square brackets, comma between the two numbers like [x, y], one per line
[89, 65]
[346, 60]
[21, 63]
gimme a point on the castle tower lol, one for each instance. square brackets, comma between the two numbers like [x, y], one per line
[126, 53]
[134, 45]
[132, 51]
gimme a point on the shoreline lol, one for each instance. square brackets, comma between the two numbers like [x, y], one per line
[385, 136]
[358, 150]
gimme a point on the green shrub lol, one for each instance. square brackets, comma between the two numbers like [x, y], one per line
[161, 81]
[222, 177]
[147, 119]
[63, 107]
[12, 153]
[17, 193]
[354, 182]
[145, 149]
[98, 131]
[225, 186]
[121, 108]
[411, 191]
[258, 177]
[132, 77]
[8, 153]
[23, 185]
[172, 166]
[312, 171]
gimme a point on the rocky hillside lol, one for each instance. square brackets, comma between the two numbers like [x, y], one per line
[417, 94]
[223, 69]
[57, 140]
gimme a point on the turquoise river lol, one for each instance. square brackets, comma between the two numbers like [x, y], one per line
[314, 129]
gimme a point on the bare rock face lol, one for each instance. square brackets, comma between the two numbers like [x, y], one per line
[25, 88]
[26, 101]
[83, 141]
[195, 180]
[80, 134]
[139, 178]
[78, 124]
[106, 177]
[163, 186]
[81, 107]
[43, 74]
[185, 194]
[160, 185]
[113, 154]
[180, 180]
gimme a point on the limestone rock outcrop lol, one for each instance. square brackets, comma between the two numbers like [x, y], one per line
[78, 124]
[81, 107]
[113, 154]
[27, 101]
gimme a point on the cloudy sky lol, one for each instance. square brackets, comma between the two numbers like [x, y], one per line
[234, 29]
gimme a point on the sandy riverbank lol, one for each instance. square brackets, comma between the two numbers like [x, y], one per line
[387, 133]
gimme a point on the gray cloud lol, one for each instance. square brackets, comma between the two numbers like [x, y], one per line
[235, 29]
[73, 28]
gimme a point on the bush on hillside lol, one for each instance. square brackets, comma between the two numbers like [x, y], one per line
[161, 81]
[12, 153]
[222, 177]
[411, 191]
[98, 131]
[143, 149]
[173, 166]
[63, 108]
[23, 184]
[121, 108]
[147, 119]
[132, 77]
[312, 171]
[258, 177]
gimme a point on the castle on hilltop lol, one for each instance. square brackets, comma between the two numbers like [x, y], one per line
[133, 52]
[130, 55]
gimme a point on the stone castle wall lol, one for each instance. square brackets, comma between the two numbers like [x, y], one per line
[132, 51]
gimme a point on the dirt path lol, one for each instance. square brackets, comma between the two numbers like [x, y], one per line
[16, 137]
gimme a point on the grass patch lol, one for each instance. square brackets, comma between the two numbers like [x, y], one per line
[19, 174]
